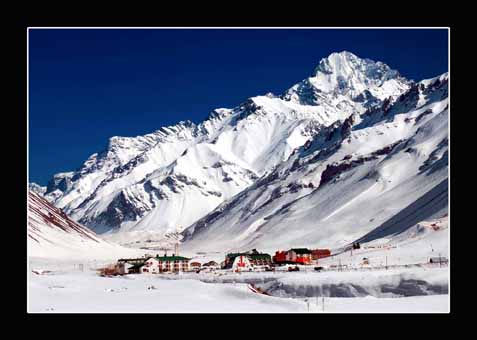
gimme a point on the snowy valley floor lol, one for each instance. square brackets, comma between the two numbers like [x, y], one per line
[69, 290]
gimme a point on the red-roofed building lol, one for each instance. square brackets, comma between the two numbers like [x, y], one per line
[320, 253]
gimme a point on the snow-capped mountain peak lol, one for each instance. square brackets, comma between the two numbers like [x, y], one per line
[349, 83]
[177, 174]
[345, 73]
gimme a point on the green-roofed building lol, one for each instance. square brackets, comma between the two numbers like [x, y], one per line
[160, 264]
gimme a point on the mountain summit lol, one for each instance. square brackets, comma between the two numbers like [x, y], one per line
[347, 74]
[345, 78]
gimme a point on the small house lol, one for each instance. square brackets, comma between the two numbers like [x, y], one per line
[320, 253]
[280, 257]
[135, 269]
[440, 260]
[299, 255]
[129, 266]
[211, 264]
[123, 267]
[195, 265]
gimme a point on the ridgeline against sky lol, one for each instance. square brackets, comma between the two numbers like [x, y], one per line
[89, 85]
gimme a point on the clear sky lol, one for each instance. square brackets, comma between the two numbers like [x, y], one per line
[87, 85]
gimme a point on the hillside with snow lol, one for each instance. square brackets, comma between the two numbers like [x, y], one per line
[52, 234]
[373, 175]
[353, 151]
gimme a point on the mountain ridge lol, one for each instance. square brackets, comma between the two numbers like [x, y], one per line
[169, 179]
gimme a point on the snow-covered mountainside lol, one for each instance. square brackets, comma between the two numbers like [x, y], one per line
[372, 175]
[36, 188]
[226, 175]
[52, 234]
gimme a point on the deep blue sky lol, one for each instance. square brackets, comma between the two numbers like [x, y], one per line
[88, 85]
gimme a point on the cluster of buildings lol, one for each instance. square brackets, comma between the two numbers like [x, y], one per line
[254, 259]
[240, 261]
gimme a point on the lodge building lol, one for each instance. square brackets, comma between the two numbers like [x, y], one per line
[251, 258]
[154, 265]
[160, 264]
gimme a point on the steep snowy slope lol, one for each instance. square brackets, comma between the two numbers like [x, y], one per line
[167, 180]
[52, 234]
[377, 173]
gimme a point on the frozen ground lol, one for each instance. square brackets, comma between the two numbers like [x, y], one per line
[85, 293]
[67, 289]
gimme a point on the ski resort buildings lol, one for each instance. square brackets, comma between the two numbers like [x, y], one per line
[241, 261]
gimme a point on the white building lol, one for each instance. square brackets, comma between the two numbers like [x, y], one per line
[151, 266]
[241, 263]
[161, 264]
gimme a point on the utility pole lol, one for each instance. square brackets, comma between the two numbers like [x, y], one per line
[323, 303]
[386, 262]
[440, 261]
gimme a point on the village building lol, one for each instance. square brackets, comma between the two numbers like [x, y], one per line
[123, 267]
[195, 265]
[300, 255]
[139, 260]
[212, 265]
[242, 263]
[320, 253]
[253, 257]
[280, 257]
[151, 266]
[135, 269]
[440, 260]
[129, 266]
[293, 256]
[165, 263]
